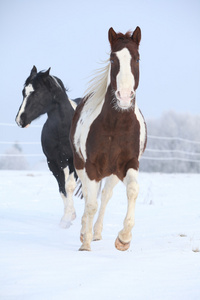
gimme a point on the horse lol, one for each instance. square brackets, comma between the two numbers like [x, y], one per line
[43, 93]
[108, 136]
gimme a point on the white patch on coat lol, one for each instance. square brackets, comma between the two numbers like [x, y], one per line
[132, 189]
[83, 128]
[56, 81]
[70, 182]
[106, 195]
[92, 108]
[69, 210]
[131, 173]
[27, 90]
[142, 129]
[90, 189]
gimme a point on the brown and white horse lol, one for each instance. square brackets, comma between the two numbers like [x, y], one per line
[108, 136]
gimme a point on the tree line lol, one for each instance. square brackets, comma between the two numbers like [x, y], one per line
[173, 144]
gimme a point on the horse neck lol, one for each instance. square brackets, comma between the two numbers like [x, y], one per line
[97, 88]
[108, 104]
[59, 107]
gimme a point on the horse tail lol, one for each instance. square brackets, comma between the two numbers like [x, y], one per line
[99, 190]
[78, 192]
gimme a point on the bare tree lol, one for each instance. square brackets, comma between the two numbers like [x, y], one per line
[180, 151]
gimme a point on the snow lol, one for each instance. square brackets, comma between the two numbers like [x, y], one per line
[39, 260]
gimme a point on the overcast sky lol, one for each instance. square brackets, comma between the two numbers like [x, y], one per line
[71, 37]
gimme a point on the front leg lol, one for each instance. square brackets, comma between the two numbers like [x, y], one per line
[124, 237]
[90, 190]
[107, 192]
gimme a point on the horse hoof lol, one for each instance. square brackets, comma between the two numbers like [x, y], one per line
[84, 248]
[66, 220]
[120, 245]
[97, 237]
[65, 224]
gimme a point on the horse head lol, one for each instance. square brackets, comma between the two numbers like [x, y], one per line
[36, 96]
[124, 59]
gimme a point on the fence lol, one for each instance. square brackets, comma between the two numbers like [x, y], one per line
[164, 153]
[171, 151]
[9, 143]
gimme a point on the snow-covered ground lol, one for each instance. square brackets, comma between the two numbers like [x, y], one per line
[39, 260]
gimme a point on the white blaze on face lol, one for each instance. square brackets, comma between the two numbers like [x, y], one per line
[125, 79]
[28, 90]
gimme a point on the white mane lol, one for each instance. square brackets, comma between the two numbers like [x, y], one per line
[97, 87]
[94, 100]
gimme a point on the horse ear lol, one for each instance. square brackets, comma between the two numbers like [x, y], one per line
[46, 74]
[33, 71]
[136, 36]
[112, 35]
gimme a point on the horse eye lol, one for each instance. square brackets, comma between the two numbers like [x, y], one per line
[112, 61]
[137, 61]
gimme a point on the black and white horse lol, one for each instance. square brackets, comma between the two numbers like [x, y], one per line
[42, 94]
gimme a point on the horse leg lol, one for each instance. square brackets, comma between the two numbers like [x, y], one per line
[107, 192]
[69, 210]
[124, 237]
[61, 178]
[81, 174]
[90, 190]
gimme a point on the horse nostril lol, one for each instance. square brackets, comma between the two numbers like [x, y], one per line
[22, 120]
[131, 94]
[118, 94]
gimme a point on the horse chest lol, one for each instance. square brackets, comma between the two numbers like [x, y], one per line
[110, 146]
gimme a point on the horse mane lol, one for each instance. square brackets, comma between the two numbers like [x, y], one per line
[127, 35]
[59, 82]
[49, 81]
[97, 87]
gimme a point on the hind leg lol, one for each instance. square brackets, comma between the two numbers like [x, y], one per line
[107, 192]
[124, 237]
[65, 182]
[69, 210]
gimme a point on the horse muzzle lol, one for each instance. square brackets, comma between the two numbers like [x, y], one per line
[21, 121]
[125, 99]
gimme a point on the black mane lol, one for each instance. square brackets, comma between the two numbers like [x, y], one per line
[48, 81]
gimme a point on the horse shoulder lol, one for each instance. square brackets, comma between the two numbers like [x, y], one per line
[83, 120]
